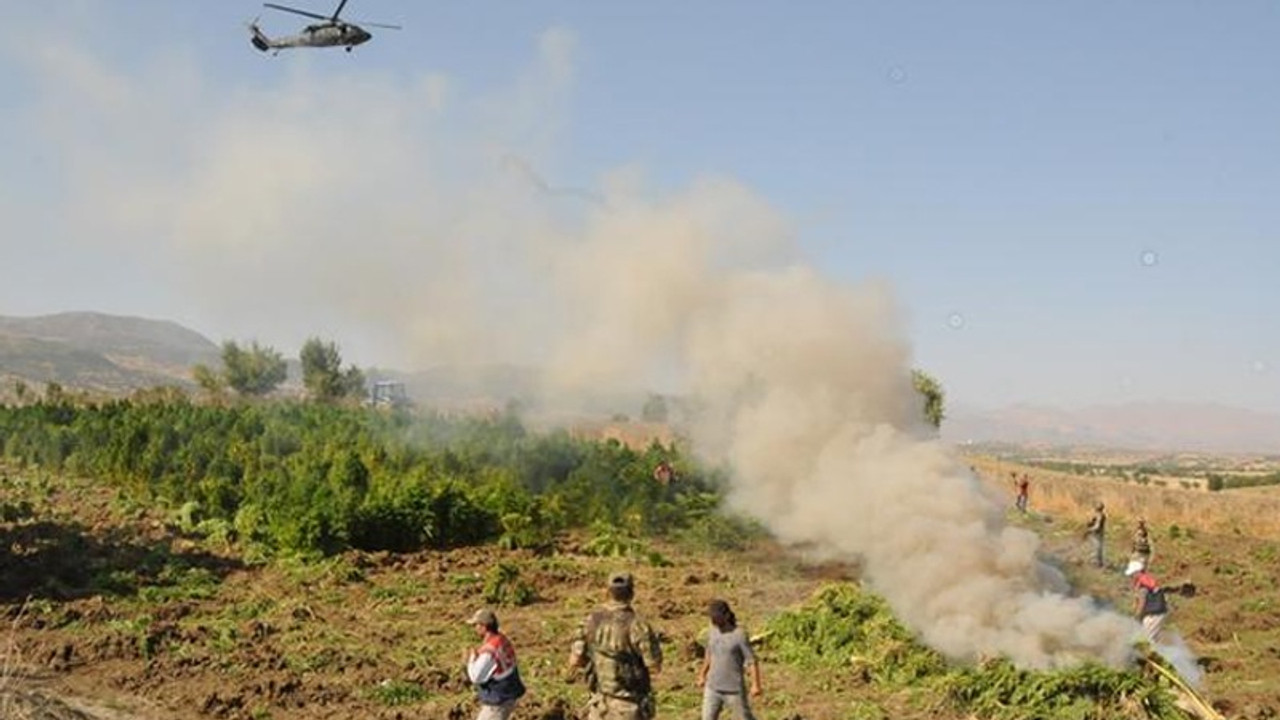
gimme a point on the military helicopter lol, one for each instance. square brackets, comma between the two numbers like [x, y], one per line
[330, 32]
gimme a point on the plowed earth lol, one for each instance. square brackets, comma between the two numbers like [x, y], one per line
[113, 614]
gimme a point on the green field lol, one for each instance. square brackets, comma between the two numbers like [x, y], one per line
[171, 561]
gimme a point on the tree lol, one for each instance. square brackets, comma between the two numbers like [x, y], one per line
[208, 379]
[931, 391]
[255, 371]
[322, 372]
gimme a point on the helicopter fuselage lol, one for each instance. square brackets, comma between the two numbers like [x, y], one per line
[327, 34]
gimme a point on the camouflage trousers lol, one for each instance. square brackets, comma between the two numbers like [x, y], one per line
[604, 707]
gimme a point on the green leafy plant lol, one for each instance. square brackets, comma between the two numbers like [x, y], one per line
[397, 692]
[504, 586]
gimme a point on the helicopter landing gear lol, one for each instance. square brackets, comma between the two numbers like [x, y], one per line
[348, 48]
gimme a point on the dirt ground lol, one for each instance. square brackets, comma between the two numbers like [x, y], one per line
[119, 616]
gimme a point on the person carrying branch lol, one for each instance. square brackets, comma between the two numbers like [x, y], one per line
[1149, 604]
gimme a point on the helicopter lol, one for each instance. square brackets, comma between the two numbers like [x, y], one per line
[330, 32]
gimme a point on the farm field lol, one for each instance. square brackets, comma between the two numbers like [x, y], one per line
[192, 630]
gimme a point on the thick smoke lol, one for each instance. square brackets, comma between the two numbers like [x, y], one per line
[391, 210]
[804, 388]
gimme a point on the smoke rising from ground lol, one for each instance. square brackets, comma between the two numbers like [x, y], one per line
[805, 390]
[387, 211]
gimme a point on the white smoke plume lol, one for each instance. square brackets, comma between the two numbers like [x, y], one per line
[1174, 650]
[806, 391]
[390, 210]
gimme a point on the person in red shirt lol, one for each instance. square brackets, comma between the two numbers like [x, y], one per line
[492, 669]
[1150, 605]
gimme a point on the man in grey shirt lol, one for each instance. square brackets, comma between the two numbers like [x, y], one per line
[721, 675]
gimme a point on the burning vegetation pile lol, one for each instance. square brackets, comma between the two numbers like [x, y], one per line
[845, 626]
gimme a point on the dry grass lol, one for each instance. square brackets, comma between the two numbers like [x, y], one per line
[11, 704]
[1066, 495]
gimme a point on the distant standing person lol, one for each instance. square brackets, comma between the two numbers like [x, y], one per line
[1023, 486]
[619, 651]
[663, 473]
[1096, 532]
[1142, 543]
[721, 675]
[492, 669]
[1149, 604]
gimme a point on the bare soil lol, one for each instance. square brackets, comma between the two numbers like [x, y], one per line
[114, 614]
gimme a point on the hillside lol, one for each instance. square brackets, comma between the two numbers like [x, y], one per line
[100, 352]
[1137, 426]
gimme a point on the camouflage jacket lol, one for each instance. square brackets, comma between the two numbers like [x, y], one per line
[1141, 542]
[620, 649]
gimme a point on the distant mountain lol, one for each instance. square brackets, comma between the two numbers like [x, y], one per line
[1135, 426]
[100, 352]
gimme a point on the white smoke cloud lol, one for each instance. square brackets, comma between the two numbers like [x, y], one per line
[359, 204]
[806, 392]
[354, 204]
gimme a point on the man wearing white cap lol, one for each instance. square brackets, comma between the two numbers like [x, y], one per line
[1149, 603]
[492, 669]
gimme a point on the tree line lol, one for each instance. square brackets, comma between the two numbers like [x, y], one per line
[256, 370]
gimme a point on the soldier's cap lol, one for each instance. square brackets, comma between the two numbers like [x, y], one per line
[483, 616]
[622, 580]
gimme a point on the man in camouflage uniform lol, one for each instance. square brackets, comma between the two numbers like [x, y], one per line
[619, 651]
[1142, 543]
[1096, 532]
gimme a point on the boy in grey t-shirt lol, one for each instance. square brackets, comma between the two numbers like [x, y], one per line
[721, 674]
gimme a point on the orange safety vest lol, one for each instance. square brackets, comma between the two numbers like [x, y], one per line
[505, 683]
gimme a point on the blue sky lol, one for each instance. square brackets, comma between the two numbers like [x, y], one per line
[1073, 203]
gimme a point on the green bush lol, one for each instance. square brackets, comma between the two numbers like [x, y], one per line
[289, 477]
[504, 586]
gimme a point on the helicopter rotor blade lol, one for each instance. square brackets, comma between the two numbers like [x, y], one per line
[381, 25]
[296, 11]
[338, 12]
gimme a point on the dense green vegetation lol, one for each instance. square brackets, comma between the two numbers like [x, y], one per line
[322, 478]
[1222, 481]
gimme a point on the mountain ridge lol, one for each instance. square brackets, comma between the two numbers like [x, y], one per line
[100, 352]
[1138, 425]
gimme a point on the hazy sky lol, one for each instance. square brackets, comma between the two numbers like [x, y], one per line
[1071, 202]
